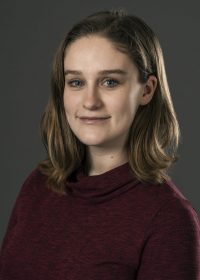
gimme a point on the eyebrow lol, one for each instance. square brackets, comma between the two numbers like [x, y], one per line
[103, 72]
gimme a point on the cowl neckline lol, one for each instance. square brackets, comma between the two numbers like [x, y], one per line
[102, 187]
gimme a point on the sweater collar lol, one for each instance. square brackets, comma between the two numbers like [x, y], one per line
[103, 187]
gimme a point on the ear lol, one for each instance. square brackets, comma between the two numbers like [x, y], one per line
[148, 90]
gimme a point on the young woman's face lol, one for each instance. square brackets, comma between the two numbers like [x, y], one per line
[100, 82]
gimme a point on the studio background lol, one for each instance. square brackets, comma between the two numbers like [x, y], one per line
[30, 34]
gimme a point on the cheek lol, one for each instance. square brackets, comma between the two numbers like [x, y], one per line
[69, 104]
[126, 109]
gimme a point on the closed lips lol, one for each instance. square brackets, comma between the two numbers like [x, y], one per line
[94, 118]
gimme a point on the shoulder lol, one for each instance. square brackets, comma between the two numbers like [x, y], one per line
[177, 203]
[174, 212]
[166, 206]
[171, 241]
[33, 182]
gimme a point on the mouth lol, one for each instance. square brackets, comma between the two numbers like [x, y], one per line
[94, 120]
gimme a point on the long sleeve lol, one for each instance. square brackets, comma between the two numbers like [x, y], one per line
[10, 228]
[14, 216]
[171, 248]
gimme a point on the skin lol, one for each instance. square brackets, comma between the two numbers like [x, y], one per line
[93, 94]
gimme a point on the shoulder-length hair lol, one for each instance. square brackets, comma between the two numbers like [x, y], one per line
[154, 134]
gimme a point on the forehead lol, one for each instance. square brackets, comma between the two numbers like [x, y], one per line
[95, 52]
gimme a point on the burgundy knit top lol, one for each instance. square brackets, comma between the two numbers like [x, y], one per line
[107, 227]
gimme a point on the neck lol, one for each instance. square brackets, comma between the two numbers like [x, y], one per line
[98, 162]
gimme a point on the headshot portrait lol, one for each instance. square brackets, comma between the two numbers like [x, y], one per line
[102, 202]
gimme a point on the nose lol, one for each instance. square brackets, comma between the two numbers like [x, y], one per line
[91, 98]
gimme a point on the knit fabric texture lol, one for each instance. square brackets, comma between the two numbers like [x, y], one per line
[107, 227]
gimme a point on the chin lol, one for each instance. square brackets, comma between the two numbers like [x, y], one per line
[92, 142]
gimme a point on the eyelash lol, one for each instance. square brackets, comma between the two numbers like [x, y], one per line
[109, 79]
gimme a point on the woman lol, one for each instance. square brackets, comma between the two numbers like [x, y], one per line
[102, 206]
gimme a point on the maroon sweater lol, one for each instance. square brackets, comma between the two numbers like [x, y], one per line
[107, 227]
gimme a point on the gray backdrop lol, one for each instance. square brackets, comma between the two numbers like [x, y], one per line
[30, 34]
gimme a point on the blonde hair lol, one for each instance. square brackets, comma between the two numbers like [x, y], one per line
[154, 134]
